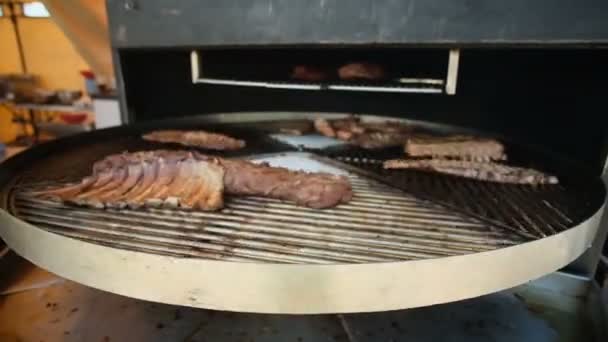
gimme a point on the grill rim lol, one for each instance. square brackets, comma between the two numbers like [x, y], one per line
[295, 288]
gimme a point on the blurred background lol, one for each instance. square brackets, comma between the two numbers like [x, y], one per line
[56, 63]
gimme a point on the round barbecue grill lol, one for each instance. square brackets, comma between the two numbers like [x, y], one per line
[407, 238]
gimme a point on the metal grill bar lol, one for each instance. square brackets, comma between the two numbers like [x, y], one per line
[380, 224]
[531, 211]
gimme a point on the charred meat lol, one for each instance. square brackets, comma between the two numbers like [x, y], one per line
[455, 146]
[173, 179]
[361, 71]
[485, 171]
[208, 140]
[369, 135]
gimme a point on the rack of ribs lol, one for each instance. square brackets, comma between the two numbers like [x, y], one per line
[198, 138]
[455, 146]
[172, 179]
[493, 172]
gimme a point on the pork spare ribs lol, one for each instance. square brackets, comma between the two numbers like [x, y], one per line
[164, 178]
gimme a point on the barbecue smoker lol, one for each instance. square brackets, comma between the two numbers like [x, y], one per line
[529, 73]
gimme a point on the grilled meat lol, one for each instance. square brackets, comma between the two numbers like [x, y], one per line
[313, 190]
[374, 140]
[486, 171]
[361, 70]
[365, 134]
[324, 127]
[296, 127]
[309, 73]
[212, 141]
[456, 146]
[173, 179]
[146, 178]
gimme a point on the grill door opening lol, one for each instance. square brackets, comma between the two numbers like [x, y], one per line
[342, 69]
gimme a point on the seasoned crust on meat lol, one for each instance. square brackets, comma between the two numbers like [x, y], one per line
[455, 146]
[313, 190]
[208, 140]
[485, 171]
[368, 135]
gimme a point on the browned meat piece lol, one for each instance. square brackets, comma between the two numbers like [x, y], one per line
[458, 146]
[365, 134]
[193, 180]
[181, 183]
[374, 140]
[155, 194]
[349, 124]
[186, 183]
[324, 127]
[314, 190]
[486, 171]
[361, 70]
[309, 73]
[344, 135]
[297, 127]
[201, 193]
[212, 141]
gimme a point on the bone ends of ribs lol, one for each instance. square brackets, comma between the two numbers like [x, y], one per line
[475, 170]
[144, 179]
[172, 179]
[208, 140]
